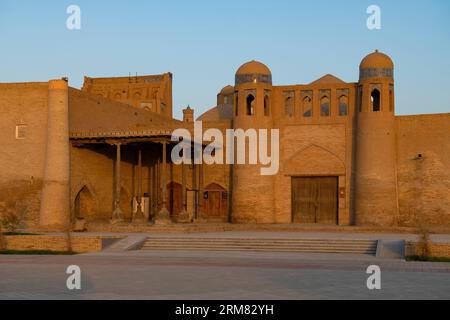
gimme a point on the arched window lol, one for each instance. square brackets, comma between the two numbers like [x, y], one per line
[307, 107]
[375, 99]
[391, 99]
[250, 105]
[325, 106]
[360, 95]
[289, 107]
[343, 106]
[236, 103]
[266, 106]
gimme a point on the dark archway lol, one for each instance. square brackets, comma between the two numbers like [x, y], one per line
[85, 207]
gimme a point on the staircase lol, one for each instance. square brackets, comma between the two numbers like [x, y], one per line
[368, 247]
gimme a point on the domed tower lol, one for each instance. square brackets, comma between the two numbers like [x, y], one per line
[253, 200]
[225, 97]
[376, 201]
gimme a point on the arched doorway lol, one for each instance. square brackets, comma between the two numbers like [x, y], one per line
[85, 205]
[215, 203]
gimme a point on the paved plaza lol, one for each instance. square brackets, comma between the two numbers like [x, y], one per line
[115, 274]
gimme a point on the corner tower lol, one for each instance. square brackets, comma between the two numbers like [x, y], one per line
[252, 194]
[376, 200]
[55, 198]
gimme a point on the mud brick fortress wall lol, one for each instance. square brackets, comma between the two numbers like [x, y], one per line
[345, 157]
[23, 135]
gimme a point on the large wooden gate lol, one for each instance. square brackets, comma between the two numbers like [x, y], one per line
[315, 200]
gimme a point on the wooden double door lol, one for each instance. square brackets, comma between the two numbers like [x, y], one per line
[315, 200]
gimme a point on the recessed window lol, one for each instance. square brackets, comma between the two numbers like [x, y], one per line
[289, 107]
[21, 132]
[391, 98]
[343, 106]
[307, 107]
[250, 105]
[375, 100]
[325, 106]
[266, 106]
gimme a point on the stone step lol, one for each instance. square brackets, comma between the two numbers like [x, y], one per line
[215, 240]
[266, 244]
[261, 245]
[253, 249]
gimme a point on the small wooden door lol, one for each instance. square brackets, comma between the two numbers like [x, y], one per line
[174, 198]
[215, 203]
[315, 200]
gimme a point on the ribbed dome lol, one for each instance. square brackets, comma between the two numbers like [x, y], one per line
[254, 67]
[377, 60]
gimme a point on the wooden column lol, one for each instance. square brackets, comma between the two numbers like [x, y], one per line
[139, 216]
[183, 186]
[157, 184]
[195, 184]
[183, 216]
[117, 215]
[152, 190]
[164, 214]
[200, 191]
[164, 176]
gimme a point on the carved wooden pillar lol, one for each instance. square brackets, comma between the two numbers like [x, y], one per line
[183, 216]
[183, 190]
[117, 215]
[139, 215]
[201, 179]
[164, 214]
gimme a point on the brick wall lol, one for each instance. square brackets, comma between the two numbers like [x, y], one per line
[424, 183]
[53, 243]
[22, 160]
[441, 250]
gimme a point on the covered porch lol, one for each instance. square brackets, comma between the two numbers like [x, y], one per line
[152, 191]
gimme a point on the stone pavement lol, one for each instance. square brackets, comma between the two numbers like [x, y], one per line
[219, 275]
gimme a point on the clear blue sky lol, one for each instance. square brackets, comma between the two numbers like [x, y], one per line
[203, 42]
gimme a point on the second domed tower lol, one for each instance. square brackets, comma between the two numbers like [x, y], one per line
[252, 109]
[376, 201]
